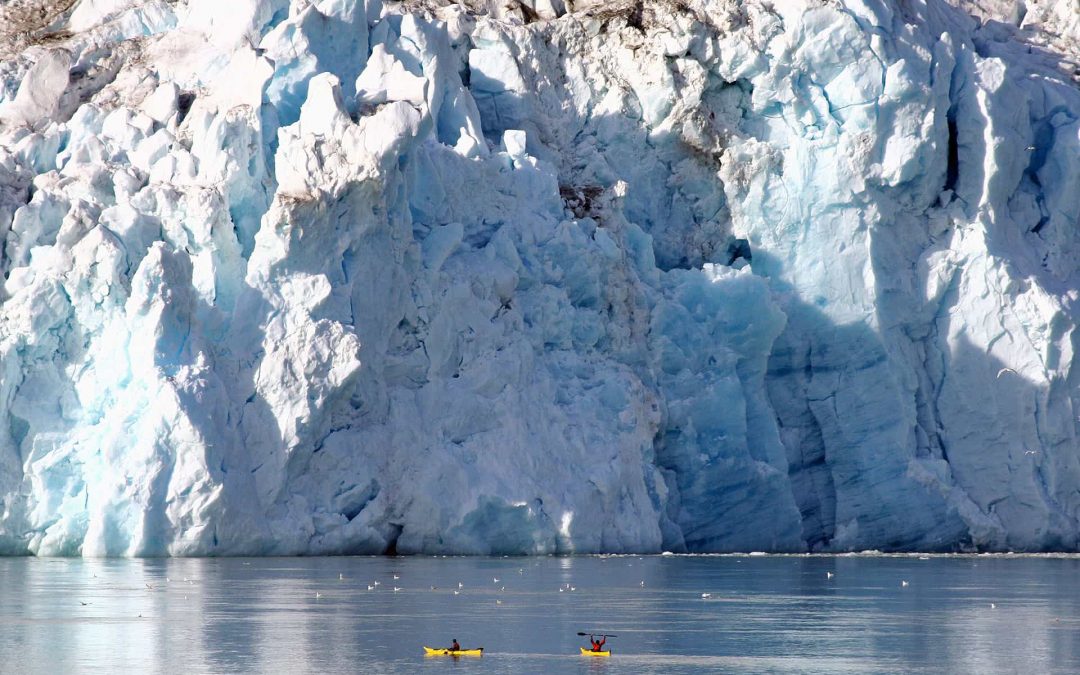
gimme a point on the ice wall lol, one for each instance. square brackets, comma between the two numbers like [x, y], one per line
[348, 276]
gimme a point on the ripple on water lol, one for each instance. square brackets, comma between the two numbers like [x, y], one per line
[763, 614]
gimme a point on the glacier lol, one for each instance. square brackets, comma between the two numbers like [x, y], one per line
[364, 276]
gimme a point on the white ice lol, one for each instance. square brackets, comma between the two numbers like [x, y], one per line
[345, 277]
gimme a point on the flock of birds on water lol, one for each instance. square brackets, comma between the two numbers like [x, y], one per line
[564, 588]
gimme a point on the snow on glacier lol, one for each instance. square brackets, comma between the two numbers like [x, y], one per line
[354, 276]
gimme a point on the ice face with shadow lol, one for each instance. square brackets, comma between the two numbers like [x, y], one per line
[357, 276]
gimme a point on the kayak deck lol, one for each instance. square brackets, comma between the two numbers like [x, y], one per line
[442, 651]
[589, 652]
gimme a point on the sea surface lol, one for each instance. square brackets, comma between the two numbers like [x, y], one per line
[668, 614]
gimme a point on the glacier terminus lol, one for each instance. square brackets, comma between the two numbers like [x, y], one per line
[525, 277]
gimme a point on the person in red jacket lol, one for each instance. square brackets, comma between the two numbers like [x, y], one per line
[598, 646]
[455, 647]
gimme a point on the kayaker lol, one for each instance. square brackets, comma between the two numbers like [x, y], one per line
[598, 646]
[455, 646]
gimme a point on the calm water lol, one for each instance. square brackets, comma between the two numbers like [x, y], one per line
[763, 615]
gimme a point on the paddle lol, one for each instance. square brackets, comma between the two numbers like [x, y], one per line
[600, 634]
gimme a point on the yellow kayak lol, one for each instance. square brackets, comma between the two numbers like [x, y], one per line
[442, 651]
[589, 652]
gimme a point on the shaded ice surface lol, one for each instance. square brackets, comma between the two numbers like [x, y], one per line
[346, 276]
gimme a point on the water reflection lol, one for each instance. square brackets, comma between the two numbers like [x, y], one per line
[781, 614]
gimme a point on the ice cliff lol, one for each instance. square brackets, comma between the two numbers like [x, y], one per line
[358, 276]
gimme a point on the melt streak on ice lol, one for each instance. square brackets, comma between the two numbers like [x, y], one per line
[357, 276]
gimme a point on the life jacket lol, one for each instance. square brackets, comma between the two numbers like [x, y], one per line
[455, 647]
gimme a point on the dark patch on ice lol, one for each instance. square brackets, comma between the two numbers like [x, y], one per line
[183, 105]
[392, 539]
[953, 171]
[18, 428]
[581, 200]
[354, 499]
[739, 248]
